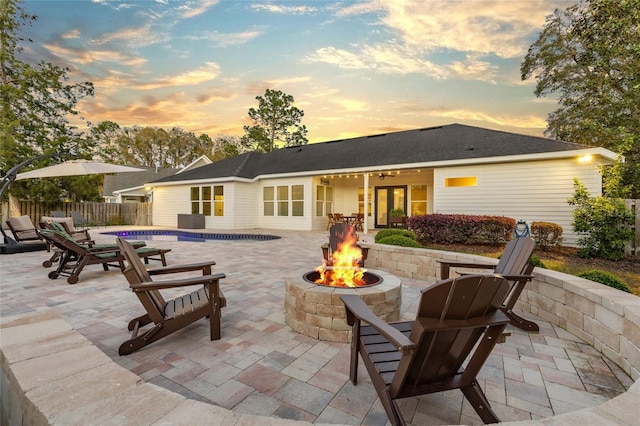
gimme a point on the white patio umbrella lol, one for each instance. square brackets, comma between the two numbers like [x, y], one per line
[77, 167]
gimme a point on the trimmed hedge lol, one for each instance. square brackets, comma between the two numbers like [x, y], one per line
[546, 234]
[383, 233]
[461, 229]
[606, 278]
[399, 240]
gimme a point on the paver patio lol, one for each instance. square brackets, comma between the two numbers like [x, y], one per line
[260, 366]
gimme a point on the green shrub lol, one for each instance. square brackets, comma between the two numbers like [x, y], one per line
[606, 278]
[537, 262]
[399, 240]
[546, 234]
[602, 224]
[383, 233]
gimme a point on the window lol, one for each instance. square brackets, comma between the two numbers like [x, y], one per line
[418, 200]
[283, 201]
[361, 200]
[218, 200]
[461, 181]
[324, 200]
[207, 200]
[268, 200]
[297, 200]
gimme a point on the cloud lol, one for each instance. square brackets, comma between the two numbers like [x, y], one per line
[194, 8]
[210, 71]
[285, 10]
[227, 39]
[83, 57]
[132, 37]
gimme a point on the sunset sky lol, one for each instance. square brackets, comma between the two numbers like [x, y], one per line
[354, 67]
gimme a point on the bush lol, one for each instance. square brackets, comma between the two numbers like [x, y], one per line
[602, 224]
[399, 240]
[546, 234]
[606, 278]
[537, 262]
[383, 233]
[461, 229]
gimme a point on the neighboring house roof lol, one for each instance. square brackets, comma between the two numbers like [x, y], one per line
[203, 160]
[451, 143]
[124, 181]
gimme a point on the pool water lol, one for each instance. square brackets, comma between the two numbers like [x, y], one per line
[172, 235]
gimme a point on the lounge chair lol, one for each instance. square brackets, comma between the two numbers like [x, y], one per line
[68, 225]
[169, 316]
[458, 322]
[57, 213]
[23, 229]
[79, 219]
[515, 265]
[74, 257]
[337, 234]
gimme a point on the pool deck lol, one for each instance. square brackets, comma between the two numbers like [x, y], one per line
[262, 367]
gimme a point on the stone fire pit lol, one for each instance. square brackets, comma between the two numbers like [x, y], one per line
[317, 311]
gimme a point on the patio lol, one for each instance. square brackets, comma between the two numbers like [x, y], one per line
[262, 367]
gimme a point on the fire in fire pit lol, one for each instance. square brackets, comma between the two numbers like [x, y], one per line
[342, 268]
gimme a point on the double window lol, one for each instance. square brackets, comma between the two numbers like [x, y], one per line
[277, 199]
[207, 200]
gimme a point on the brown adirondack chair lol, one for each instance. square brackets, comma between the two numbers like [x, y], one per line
[169, 316]
[337, 234]
[515, 265]
[457, 319]
[74, 257]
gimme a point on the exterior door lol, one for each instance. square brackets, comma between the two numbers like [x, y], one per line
[388, 198]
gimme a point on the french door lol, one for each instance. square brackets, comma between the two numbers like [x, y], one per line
[388, 198]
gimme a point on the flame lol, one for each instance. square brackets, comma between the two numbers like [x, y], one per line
[344, 270]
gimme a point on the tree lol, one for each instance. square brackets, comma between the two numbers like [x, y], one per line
[275, 121]
[35, 103]
[589, 56]
[149, 146]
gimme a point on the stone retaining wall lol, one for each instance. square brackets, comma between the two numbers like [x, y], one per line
[52, 374]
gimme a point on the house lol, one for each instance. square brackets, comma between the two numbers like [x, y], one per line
[131, 188]
[445, 169]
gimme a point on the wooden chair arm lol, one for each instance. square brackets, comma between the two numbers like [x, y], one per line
[184, 282]
[517, 277]
[358, 310]
[172, 269]
[435, 324]
[446, 265]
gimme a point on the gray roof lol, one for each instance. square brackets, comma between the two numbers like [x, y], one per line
[119, 181]
[432, 144]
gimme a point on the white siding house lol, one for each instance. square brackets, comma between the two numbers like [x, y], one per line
[449, 169]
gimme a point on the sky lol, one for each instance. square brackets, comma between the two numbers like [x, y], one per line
[354, 67]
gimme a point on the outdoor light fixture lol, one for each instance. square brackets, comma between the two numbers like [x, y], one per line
[587, 158]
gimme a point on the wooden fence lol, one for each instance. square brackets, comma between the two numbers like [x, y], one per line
[94, 212]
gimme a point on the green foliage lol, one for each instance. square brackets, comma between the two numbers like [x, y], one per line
[546, 234]
[399, 240]
[396, 213]
[149, 146]
[36, 100]
[537, 261]
[600, 222]
[588, 56]
[275, 121]
[383, 233]
[606, 278]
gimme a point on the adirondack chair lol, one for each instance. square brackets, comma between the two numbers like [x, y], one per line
[337, 234]
[74, 257]
[514, 264]
[169, 316]
[457, 319]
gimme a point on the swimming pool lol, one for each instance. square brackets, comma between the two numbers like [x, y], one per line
[173, 235]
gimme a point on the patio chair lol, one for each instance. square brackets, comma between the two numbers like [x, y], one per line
[68, 225]
[79, 219]
[458, 322]
[331, 221]
[169, 316]
[74, 257]
[337, 234]
[515, 265]
[22, 229]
